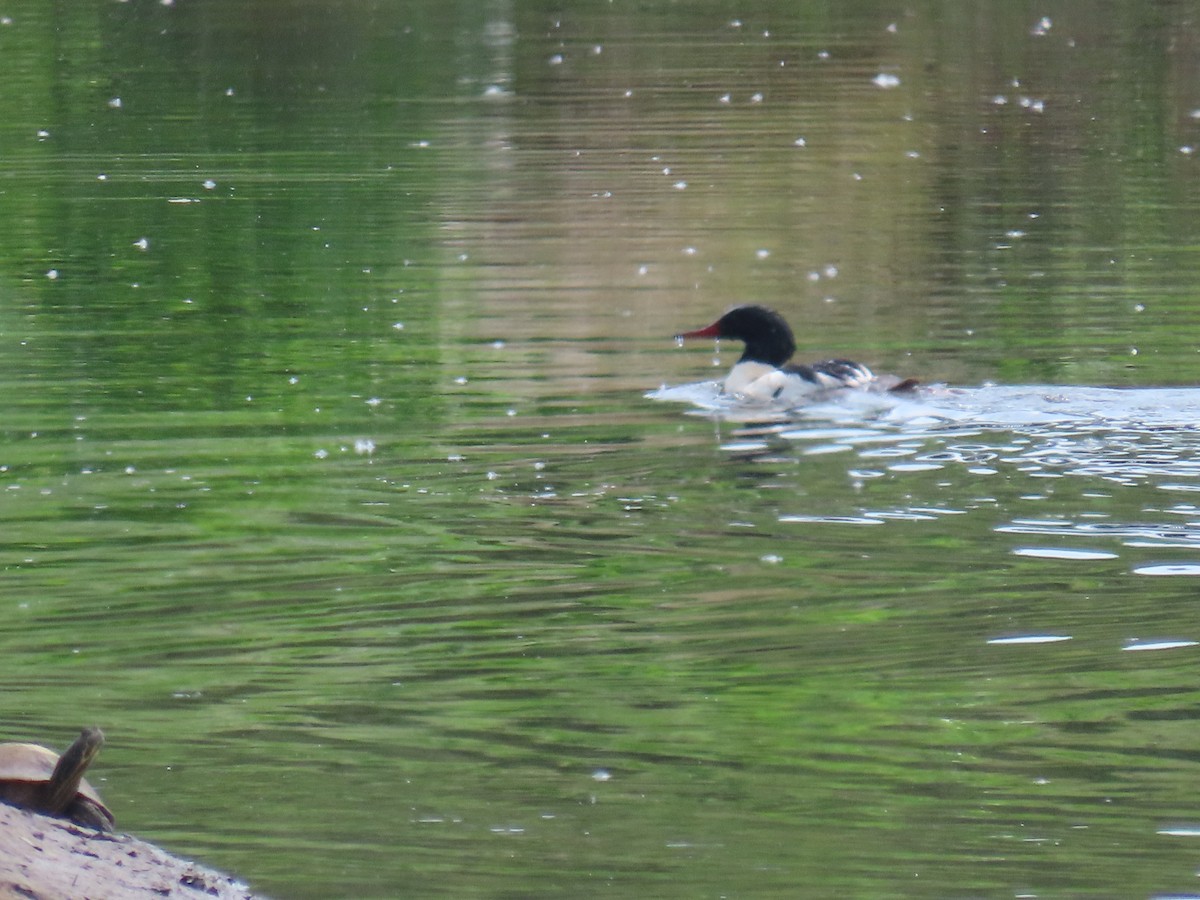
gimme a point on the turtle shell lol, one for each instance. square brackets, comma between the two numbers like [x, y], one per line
[25, 771]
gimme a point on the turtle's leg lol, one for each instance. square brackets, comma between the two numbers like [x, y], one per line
[84, 812]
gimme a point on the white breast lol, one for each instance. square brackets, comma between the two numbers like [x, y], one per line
[758, 382]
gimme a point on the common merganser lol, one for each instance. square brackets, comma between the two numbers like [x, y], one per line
[764, 374]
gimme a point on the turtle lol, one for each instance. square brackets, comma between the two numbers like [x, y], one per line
[37, 778]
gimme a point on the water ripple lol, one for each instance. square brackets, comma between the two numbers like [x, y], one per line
[1133, 534]
[1121, 436]
[1159, 645]
[1063, 553]
[1169, 569]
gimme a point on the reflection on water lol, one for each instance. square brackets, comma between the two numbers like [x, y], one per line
[1063, 553]
[1030, 639]
[330, 491]
[1159, 645]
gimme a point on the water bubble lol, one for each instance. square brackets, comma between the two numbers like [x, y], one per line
[886, 80]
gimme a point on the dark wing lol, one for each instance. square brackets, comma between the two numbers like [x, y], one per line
[833, 373]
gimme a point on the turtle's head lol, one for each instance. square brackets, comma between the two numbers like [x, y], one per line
[68, 773]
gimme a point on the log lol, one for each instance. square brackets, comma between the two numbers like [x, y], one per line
[43, 858]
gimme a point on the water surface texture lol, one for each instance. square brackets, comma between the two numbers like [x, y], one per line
[339, 488]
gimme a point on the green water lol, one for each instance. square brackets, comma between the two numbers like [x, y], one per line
[329, 491]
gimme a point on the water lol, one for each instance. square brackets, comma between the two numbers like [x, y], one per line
[332, 493]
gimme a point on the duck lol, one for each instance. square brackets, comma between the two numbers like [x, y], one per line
[765, 373]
